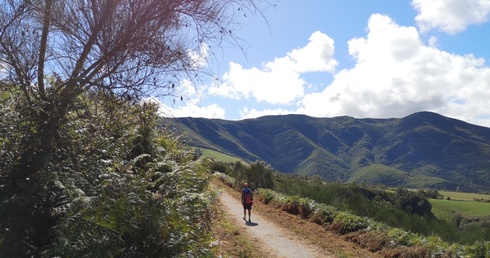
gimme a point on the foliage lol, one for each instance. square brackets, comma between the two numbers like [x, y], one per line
[257, 174]
[365, 201]
[228, 180]
[266, 195]
[84, 169]
[298, 206]
[429, 193]
[345, 222]
[479, 249]
[401, 208]
[324, 214]
[97, 196]
[221, 167]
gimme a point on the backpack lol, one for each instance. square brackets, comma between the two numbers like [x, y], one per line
[248, 195]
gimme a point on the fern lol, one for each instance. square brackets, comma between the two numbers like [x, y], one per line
[100, 197]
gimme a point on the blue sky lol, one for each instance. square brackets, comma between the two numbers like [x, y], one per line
[360, 58]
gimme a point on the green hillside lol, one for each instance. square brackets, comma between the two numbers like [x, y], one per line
[381, 174]
[421, 150]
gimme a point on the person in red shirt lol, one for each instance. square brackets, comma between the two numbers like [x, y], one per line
[247, 201]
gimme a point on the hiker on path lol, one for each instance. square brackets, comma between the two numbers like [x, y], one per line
[247, 201]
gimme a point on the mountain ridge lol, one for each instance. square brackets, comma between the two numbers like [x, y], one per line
[423, 149]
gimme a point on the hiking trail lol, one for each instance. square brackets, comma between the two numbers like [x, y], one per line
[275, 240]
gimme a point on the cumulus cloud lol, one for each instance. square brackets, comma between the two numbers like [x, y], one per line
[191, 109]
[279, 81]
[396, 75]
[317, 56]
[254, 113]
[450, 16]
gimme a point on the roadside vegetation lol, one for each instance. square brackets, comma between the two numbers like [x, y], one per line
[386, 221]
[114, 187]
[86, 169]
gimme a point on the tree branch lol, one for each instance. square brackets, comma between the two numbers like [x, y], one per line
[42, 49]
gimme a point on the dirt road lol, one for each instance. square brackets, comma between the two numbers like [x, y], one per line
[277, 241]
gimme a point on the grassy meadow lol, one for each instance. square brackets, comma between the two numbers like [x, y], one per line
[207, 153]
[447, 209]
[460, 196]
[457, 203]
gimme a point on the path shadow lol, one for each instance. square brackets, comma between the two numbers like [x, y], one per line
[250, 223]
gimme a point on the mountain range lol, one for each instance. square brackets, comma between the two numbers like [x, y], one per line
[422, 150]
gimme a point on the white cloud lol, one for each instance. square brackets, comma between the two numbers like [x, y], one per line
[273, 86]
[190, 109]
[317, 56]
[187, 104]
[253, 113]
[187, 90]
[279, 81]
[396, 75]
[450, 16]
[199, 58]
[433, 42]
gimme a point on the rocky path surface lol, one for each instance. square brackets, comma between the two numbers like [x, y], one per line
[277, 241]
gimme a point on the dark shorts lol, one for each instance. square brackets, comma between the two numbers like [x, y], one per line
[247, 206]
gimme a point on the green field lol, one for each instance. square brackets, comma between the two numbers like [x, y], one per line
[460, 204]
[464, 196]
[447, 209]
[207, 153]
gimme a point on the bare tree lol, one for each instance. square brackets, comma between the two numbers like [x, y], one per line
[54, 50]
[126, 46]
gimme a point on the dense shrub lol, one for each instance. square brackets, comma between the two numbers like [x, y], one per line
[324, 214]
[115, 186]
[346, 222]
[228, 180]
[403, 208]
[219, 166]
[479, 250]
[257, 174]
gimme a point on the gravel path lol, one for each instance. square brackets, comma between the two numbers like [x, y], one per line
[277, 241]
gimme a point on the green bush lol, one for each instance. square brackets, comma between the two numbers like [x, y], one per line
[324, 214]
[228, 180]
[345, 222]
[257, 175]
[479, 249]
[265, 195]
[118, 187]
[400, 237]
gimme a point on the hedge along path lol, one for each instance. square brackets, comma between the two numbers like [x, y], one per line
[278, 241]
